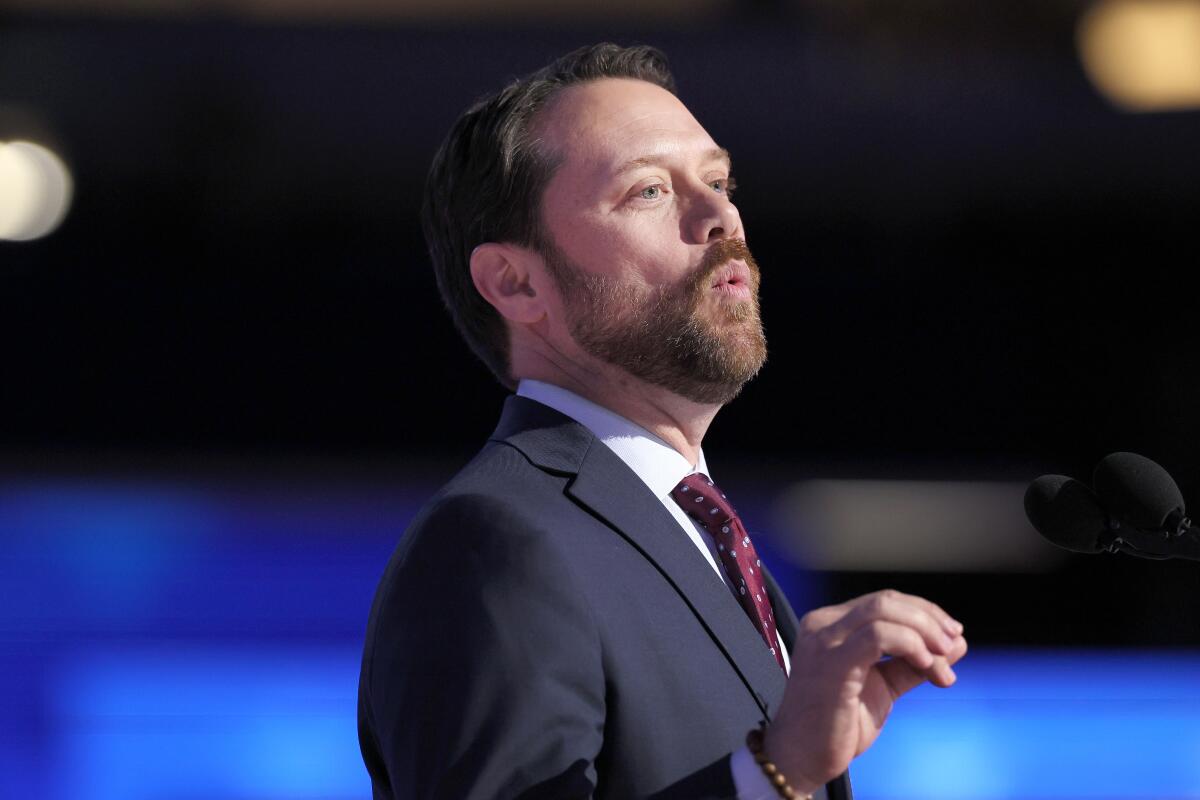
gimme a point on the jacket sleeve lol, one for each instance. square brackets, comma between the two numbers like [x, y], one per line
[482, 673]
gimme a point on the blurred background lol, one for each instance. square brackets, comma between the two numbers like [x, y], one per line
[227, 382]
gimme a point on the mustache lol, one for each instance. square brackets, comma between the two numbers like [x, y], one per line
[718, 254]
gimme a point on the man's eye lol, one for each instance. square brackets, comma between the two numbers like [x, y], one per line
[723, 186]
[651, 192]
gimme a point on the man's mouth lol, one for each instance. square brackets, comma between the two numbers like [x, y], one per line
[733, 278]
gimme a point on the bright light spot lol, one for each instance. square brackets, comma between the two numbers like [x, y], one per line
[1144, 55]
[917, 526]
[35, 191]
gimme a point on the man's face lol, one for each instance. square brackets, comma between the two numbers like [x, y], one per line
[647, 250]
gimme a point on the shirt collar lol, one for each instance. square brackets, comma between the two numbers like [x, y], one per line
[659, 466]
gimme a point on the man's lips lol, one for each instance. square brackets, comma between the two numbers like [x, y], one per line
[732, 278]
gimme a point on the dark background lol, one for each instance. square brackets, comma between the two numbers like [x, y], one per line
[974, 267]
[227, 382]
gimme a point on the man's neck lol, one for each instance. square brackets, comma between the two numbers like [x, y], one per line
[676, 420]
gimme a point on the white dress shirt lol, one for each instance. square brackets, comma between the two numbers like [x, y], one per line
[661, 467]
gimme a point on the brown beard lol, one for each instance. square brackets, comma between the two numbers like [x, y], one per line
[662, 335]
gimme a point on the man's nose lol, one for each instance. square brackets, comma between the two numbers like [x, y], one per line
[712, 217]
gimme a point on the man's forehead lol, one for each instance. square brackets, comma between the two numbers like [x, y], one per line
[615, 124]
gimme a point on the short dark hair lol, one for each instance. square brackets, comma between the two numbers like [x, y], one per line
[488, 176]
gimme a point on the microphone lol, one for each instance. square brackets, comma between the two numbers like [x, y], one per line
[1138, 491]
[1066, 512]
[1137, 508]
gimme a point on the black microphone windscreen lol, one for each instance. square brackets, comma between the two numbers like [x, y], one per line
[1136, 490]
[1066, 512]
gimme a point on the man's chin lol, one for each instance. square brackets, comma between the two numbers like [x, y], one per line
[742, 344]
[741, 357]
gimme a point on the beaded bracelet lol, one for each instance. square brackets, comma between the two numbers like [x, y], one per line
[754, 741]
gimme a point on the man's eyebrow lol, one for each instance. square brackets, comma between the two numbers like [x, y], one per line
[716, 154]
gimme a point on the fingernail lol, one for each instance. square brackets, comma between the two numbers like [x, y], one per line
[953, 627]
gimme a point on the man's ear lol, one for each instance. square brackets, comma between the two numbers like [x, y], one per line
[502, 273]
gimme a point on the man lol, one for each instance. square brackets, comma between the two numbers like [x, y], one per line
[562, 620]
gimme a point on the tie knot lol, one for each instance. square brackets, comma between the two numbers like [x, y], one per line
[703, 501]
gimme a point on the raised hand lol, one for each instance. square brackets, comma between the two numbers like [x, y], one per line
[849, 664]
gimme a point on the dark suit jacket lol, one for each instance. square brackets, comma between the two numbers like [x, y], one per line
[544, 629]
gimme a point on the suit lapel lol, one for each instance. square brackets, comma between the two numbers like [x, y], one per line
[606, 487]
[785, 618]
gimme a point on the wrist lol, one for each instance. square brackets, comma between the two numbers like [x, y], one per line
[790, 784]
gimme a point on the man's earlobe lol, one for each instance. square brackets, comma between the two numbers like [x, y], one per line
[501, 275]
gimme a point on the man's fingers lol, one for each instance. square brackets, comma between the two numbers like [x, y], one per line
[957, 652]
[949, 624]
[828, 615]
[902, 677]
[898, 608]
[820, 618]
[877, 639]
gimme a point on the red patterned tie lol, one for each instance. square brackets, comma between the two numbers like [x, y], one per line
[703, 501]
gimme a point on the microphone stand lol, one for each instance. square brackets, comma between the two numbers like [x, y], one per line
[1177, 538]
